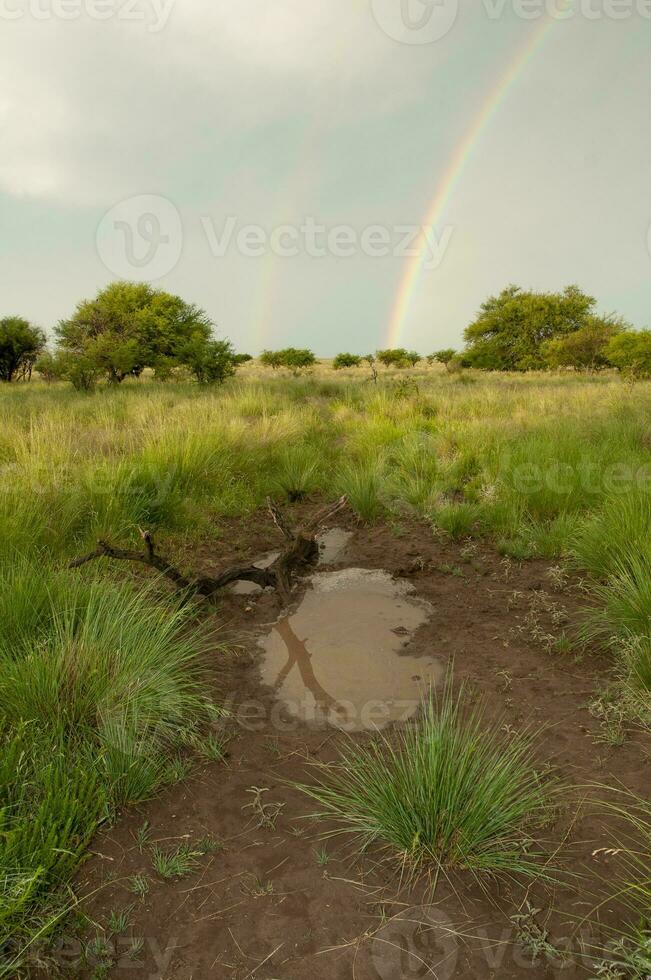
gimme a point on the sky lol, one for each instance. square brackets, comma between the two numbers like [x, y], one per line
[341, 175]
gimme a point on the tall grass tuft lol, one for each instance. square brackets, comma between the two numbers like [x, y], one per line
[631, 952]
[98, 683]
[447, 792]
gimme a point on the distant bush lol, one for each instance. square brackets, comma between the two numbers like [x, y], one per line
[294, 358]
[241, 358]
[393, 357]
[20, 345]
[631, 353]
[445, 357]
[346, 360]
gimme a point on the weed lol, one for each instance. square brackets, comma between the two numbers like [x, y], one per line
[265, 814]
[143, 835]
[139, 885]
[175, 863]
[118, 922]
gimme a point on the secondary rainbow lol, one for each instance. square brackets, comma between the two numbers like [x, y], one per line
[453, 173]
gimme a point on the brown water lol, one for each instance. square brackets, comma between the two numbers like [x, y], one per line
[337, 659]
[332, 545]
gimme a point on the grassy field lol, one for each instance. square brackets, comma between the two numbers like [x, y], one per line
[102, 683]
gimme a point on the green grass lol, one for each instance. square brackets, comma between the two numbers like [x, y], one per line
[631, 862]
[551, 466]
[98, 683]
[448, 791]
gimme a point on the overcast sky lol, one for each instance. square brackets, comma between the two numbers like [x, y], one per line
[140, 141]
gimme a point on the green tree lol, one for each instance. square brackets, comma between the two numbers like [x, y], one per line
[630, 352]
[211, 361]
[20, 345]
[297, 358]
[413, 357]
[271, 358]
[445, 357]
[393, 357]
[131, 326]
[346, 360]
[49, 366]
[584, 349]
[242, 358]
[511, 328]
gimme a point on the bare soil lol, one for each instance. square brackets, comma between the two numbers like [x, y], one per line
[275, 902]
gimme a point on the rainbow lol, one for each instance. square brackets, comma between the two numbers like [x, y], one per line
[453, 173]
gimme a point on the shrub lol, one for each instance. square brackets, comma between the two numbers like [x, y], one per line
[346, 360]
[631, 353]
[211, 361]
[444, 357]
[443, 792]
[20, 345]
[393, 357]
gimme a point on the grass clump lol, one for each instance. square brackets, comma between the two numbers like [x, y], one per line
[629, 955]
[99, 683]
[446, 792]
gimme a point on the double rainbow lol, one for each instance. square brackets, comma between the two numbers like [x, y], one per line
[450, 180]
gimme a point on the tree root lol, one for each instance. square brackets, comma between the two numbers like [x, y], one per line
[300, 551]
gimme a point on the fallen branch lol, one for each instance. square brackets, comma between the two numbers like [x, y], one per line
[302, 550]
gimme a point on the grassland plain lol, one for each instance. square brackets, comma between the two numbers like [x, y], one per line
[104, 683]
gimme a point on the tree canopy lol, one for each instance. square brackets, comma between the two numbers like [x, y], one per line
[20, 345]
[630, 351]
[294, 358]
[346, 360]
[131, 326]
[510, 330]
[584, 349]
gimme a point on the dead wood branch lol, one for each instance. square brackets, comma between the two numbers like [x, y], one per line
[301, 551]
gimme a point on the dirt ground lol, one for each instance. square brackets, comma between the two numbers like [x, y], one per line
[276, 902]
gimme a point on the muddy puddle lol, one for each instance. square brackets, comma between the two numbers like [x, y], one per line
[337, 659]
[332, 548]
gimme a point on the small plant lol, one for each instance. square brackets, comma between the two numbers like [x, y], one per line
[214, 747]
[177, 770]
[136, 947]
[266, 814]
[175, 863]
[611, 714]
[322, 857]
[118, 922]
[445, 792]
[209, 845]
[139, 885]
[533, 937]
[142, 835]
